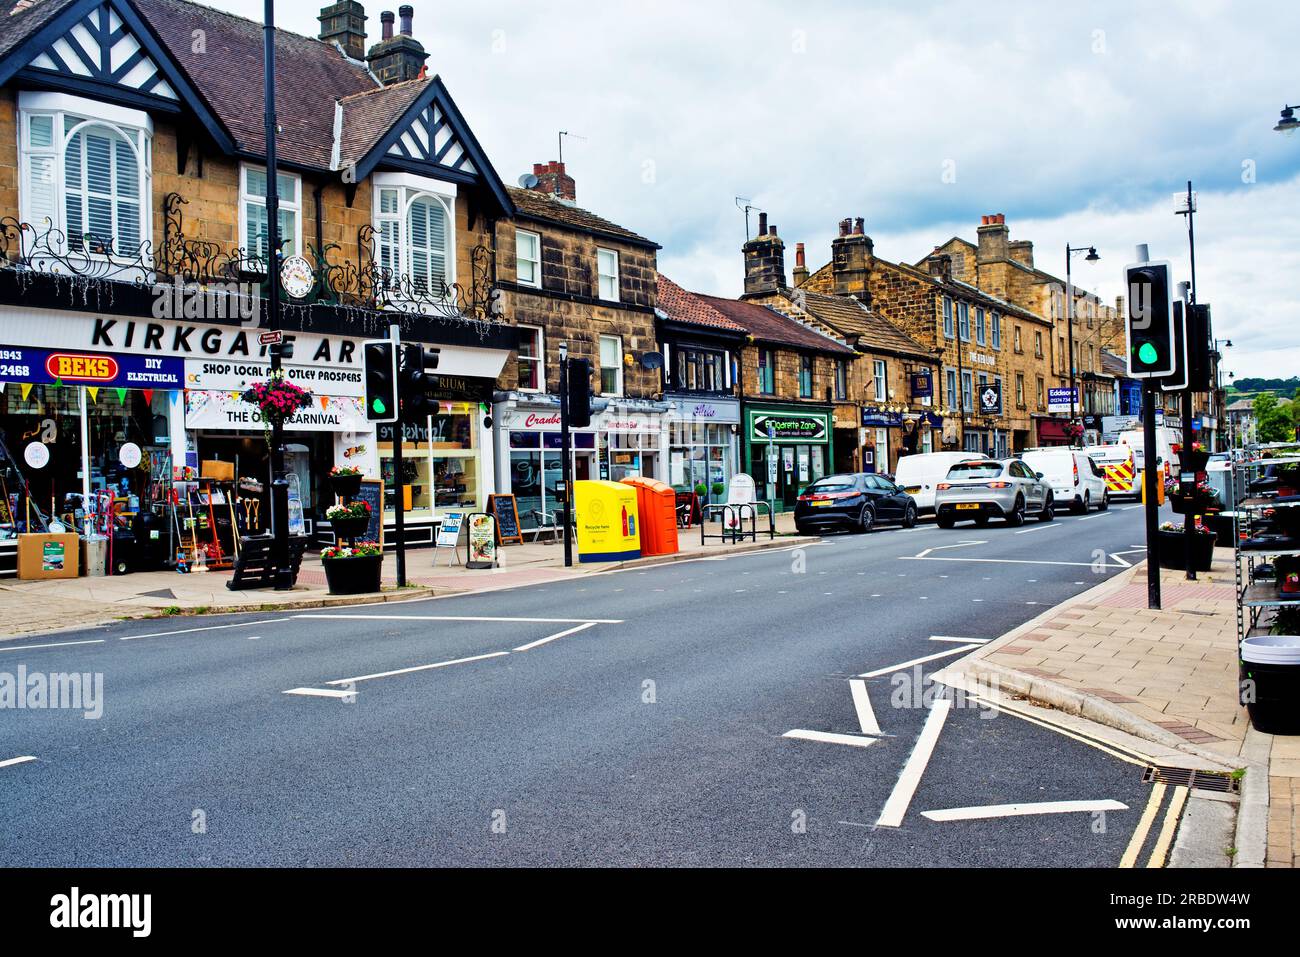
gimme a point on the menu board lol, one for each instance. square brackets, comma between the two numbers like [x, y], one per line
[482, 544]
[505, 510]
[372, 493]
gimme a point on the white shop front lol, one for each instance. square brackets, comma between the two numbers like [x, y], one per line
[702, 443]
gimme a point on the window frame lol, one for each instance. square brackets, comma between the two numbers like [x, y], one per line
[617, 367]
[995, 331]
[807, 377]
[766, 383]
[963, 321]
[1038, 343]
[409, 189]
[709, 363]
[947, 317]
[539, 341]
[841, 380]
[880, 380]
[536, 282]
[601, 275]
[286, 205]
[981, 332]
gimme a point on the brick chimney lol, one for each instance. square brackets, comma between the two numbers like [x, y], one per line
[940, 264]
[764, 261]
[554, 181]
[396, 59]
[345, 24]
[1022, 251]
[852, 253]
[994, 239]
[800, 265]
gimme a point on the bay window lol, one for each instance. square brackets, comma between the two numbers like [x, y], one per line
[415, 232]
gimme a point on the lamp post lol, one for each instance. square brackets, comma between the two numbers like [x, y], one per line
[1070, 253]
[1288, 123]
[279, 482]
[1218, 384]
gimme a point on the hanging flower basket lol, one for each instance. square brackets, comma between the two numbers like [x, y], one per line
[1202, 499]
[349, 521]
[277, 399]
[345, 480]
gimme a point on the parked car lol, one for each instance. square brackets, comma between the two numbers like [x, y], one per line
[856, 501]
[919, 475]
[982, 491]
[1076, 479]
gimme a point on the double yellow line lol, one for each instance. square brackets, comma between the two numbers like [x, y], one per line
[1160, 852]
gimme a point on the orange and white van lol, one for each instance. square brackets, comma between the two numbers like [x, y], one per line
[1120, 466]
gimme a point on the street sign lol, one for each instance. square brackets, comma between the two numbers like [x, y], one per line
[271, 338]
[1062, 400]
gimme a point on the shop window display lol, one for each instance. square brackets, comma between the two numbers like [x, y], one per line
[440, 462]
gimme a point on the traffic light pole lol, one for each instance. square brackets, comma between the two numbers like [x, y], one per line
[399, 477]
[1189, 521]
[1150, 489]
[565, 446]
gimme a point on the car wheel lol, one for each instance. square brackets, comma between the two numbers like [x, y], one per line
[1081, 508]
[909, 517]
[945, 521]
[1105, 501]
[1049, 510]
[866, 519]
[1017, 516]
[803, 530]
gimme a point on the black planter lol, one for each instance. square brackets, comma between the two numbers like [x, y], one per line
[345, 485]
[1189, 461]
[354, 576]
[1194, 504]
[1173, 551]
[349, 528]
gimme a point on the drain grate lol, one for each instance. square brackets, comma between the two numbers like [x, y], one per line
[1186, 777]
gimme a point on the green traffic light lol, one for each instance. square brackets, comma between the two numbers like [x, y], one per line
[379, 407]
[1148, 354]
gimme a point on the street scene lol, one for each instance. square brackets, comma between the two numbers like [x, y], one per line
[565, 439]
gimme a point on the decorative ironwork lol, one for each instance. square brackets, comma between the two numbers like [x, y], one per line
[363, 283]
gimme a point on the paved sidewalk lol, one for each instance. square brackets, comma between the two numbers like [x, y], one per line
[1168, 677]
[37, 607]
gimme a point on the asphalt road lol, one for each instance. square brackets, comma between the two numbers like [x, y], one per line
[655, 736]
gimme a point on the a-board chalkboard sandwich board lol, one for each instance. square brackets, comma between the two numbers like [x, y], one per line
[372, 493]
[482, 542]
[505, 510]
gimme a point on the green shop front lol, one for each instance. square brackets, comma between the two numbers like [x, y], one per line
[787, 447]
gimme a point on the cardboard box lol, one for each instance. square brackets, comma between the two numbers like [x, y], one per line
[217, 471]
[48, 556]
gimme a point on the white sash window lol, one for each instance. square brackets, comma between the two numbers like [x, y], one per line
[415, 232]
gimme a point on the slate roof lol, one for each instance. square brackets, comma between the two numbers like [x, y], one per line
[689, 309]
[849, 317]
[1113, 364]
[17, 25]
[768, 325]
[531, 204]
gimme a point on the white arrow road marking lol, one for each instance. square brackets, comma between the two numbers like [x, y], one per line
[941, 548]
[10, 762]
[896, 807]
[409, 671]
[962, 641]
[829, 737]
[862, 704]
[191, 631]
[61, 644]
[321, 693]
[1022, 810]
[918, 661]
[549, 638]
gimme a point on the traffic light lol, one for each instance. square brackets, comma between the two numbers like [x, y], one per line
[579, 393]
[1150, 321]
[379, 361]
[414, 367]
[1177, 380]
[1198, 348]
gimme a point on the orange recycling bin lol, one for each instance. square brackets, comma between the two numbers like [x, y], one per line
[657, 504]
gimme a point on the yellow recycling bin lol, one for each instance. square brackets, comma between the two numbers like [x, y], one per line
[607, 521]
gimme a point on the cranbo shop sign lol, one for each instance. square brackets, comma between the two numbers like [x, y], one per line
[788, 428]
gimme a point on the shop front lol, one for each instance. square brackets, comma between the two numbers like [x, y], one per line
[787, 447]
[702, 444]
[622, 442]
[1053, 431]
[893, 432]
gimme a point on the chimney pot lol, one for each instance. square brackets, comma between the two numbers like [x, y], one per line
[762, 224]
[554, 181]
[798, 255]
[386, 18]
[844, 227]
[406, 13]
[771, 231]
[859, 227]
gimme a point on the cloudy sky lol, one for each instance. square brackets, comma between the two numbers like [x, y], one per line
[1078, 122]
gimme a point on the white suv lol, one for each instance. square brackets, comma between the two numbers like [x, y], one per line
[1076, 480]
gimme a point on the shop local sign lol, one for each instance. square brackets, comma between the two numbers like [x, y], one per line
[226, 410]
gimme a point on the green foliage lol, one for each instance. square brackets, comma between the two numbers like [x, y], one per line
[1277, 386]
[1273, 422]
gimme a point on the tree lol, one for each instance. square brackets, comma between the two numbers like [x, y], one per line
[1273, 422]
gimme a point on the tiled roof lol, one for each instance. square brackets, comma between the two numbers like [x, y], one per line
[688, 308]
[849, 317]
[534, 205]
[368, 116]
[17, 25]
[1113, 364]
[768, 325]
[309, 77]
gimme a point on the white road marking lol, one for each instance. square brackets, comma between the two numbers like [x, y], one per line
[1022, 810]
[191, 631]
[1001, 561]
[829, 737]
[961, 641]
[408, 671]
[60, 644]
[901, 797]
[321, 693]
[941, 548]
[1039, 528]
[485, 618]
[253, 638]
[1098, 515]
[10, 762]
[549, 638]
[862, 705]
[918, 661]
[1129, 508]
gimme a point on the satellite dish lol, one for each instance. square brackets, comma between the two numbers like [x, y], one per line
[652, 360]
[528, 181]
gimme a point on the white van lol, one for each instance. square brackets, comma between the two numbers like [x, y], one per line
[919, 474]
[1077, 481]
[1166, 439]
[1120, 466]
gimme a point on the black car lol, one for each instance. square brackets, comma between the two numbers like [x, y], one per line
[856, 501]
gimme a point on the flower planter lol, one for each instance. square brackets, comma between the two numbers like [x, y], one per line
[345, 486]
[354, 576]
[1270, 687]
[1173, 551]
[349, 528]
[1190, 461]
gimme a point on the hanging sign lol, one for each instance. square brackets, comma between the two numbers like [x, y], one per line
[922, 385]
[991, 398]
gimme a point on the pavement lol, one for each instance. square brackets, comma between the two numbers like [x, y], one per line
[43, 607]
[1167, 679]
[776, 707]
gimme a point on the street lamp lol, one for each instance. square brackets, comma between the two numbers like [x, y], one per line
[1092, 257]
[1288, 123]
